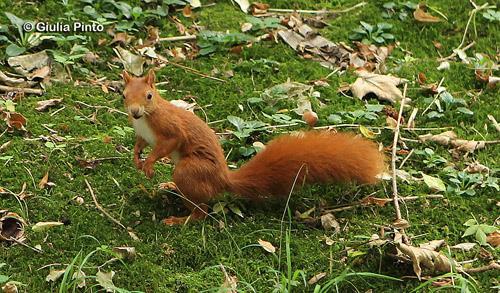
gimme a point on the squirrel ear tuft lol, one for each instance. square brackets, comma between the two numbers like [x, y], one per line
[150, 78]
[126, 76]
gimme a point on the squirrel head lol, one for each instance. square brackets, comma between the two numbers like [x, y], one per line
[141, 97]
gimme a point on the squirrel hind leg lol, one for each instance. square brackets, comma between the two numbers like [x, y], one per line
[200, 212]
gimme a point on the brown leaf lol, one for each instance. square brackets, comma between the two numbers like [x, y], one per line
[329, 222]
[422, 16]
[494, 239]
[443, 138]
[432, 245]
[44, 105]
[11, 226]
[153, 36]
[310, 117]
[476, 167]
[40, 73]
[186, 11]
[267, 246]
[464, 246]
[316, 278]
[122, 38]
[3, 147]
[125, 252]
[44, 181]
[370, 200]
[437, 45]
[421, 78]
[91, 57]
[424, 258]
[14, 121]
[383, 86]
[258, 8]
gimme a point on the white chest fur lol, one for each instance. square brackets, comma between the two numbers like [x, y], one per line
[143, 130]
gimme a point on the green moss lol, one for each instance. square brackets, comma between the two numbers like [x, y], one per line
[188, 258]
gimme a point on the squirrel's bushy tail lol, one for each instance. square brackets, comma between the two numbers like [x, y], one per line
[311, 157]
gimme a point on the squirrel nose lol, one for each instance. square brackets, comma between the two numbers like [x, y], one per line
[136, 113]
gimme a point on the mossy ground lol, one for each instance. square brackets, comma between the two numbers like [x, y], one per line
[189, 257]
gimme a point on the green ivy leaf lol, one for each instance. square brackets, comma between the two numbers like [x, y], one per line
[14, 50]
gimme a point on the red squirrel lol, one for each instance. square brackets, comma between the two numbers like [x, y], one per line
[201, 171]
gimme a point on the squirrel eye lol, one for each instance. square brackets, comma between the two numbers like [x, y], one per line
[149, 96]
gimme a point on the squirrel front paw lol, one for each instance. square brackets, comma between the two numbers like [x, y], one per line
[148, 170]
[139, 163]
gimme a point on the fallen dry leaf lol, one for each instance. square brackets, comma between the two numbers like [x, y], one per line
[105, 280]
[244, 5]
[44, 105]
[43, 226]
[10, 287]
[11, 226]
[126, 252]
[367, 132]
[54, 275]
[14, 121]
[464, 246]
[40, 73]
[121, 38]
[258, 8]
[267, 246]
[476, 167]
[24, 64]
[432, 245]
[316, 278]
[186, 11]
[431, 260]
[4, 146]
[383, 86]
[329, 222]
[310, 117]
[43, 182]
[422, 16]
[443, 138]
[494, 239]
[131, 62]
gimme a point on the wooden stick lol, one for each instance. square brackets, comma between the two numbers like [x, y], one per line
[189, 69]
[25, 245]
[99, 207]
[320, 12]
[393, 158]
[178, 38]
[21, 89]
[435, 98]
[387, 200]
[491, 266]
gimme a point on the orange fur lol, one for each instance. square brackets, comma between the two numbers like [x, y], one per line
[201, 172]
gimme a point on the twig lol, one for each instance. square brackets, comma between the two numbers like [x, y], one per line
[101, 107]
[25, 245]
[361, 203]
[189, 69]
[406, 158]
[393, 158]
[320, 12]
[58, 110]
[20, 89]
[453, 55]
[435, 98]
[178, 38]
[491, 266]
[99, 207]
